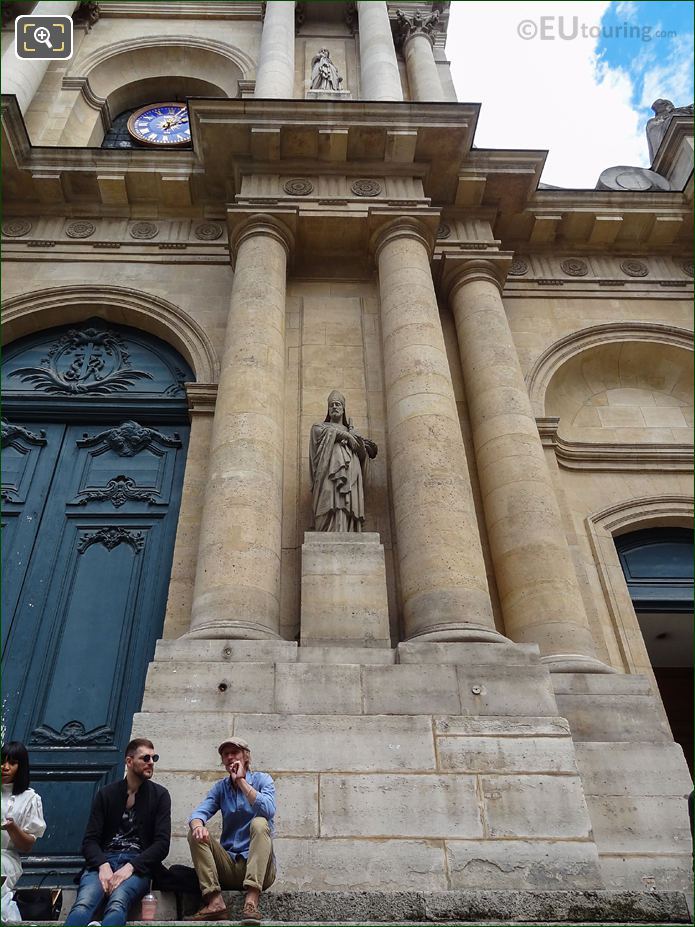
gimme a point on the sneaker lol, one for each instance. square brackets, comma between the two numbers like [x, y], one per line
[250, 916]
[94, 924]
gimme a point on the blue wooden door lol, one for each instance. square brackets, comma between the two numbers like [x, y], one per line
[91, 509]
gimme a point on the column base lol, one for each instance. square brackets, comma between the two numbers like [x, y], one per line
[460, 632]
[575, 663]
[232, 630]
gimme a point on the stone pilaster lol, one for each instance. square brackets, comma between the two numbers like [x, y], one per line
[275, 72]
[23, 77]
[379, 76]
[237, 584]
[537, 584]
[443, 584]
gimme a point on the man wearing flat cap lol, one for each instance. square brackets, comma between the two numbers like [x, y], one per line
[243, 858]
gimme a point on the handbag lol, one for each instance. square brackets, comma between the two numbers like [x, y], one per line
[39, 904]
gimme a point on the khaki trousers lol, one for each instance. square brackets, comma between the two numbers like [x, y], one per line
[216, 869]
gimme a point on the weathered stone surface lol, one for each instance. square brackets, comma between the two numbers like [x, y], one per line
[535, 806]
[297, 806]
[326, 865]
[358, 655]
[517, 690]
[501, 727]
[651, 873]
[306, 688]
[399, 806]
[191, 687]
[517, 864]
[506, 754]
[614, 718]
[337, 743]
[472, 652]
[410, 689]
[633, 769]
[640, 824]
[225, 651]
[600, 684]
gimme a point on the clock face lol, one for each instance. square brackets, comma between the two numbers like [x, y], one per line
[161, 125]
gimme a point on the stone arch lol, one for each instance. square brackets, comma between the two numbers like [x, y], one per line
[46, 308]
[657, 511]
[557, 355]
[140, 70]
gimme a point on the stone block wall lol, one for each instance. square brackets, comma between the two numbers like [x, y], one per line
[635, 780]
[448, 768]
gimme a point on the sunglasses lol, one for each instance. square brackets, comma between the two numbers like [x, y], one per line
[146, 757]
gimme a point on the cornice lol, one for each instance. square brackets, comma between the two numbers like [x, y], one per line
[185, 9]
[581, 455]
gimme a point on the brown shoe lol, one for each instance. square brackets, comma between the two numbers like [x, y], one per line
[251, 915]
[205, 916]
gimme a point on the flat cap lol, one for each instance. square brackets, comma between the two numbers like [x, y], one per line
[233, 742]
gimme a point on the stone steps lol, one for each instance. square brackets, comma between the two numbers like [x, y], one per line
[459, 907]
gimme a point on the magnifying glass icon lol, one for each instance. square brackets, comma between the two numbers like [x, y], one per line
[41, 34]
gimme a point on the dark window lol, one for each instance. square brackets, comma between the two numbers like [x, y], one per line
[658, 567]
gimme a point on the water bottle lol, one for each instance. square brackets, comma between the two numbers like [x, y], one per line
[149, 907]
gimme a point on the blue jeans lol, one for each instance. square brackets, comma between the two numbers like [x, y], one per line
[90, 895]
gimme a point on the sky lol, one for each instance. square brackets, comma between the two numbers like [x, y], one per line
[577, 78]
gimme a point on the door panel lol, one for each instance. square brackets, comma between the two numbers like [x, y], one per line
[29, 455]
[88, 615]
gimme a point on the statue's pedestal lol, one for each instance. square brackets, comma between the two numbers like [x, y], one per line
[344, 590]
[328, 95]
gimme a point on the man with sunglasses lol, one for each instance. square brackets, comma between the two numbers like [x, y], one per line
[126, 840]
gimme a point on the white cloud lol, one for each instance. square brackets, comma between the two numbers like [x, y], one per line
[552, 94]
[627, 9]
[672, 77]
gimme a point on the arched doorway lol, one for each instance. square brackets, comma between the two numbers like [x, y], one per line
[94, 438]
[658, 568]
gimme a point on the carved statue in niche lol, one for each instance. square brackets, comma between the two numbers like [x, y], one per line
[337, 461]
[324, 74]
[664, 111]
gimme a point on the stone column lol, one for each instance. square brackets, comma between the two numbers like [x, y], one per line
[538, 588]
[23, 76]
[237, 583]
[275, 71]
[442, 574]
[379, 75]
[423, 76]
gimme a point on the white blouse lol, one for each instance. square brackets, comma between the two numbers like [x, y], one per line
[25, 810]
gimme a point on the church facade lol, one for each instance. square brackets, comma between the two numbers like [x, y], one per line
[216, 214]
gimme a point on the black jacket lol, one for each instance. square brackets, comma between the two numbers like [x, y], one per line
[152, 816]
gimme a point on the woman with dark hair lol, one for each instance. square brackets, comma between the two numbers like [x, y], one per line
[22, 823]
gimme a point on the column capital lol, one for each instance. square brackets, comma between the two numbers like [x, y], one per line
[459, 269]
[244, 225]
[418, 24]
[387, 229]
[419, 33]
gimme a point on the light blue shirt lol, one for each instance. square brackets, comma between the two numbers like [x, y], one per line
[237, 813]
